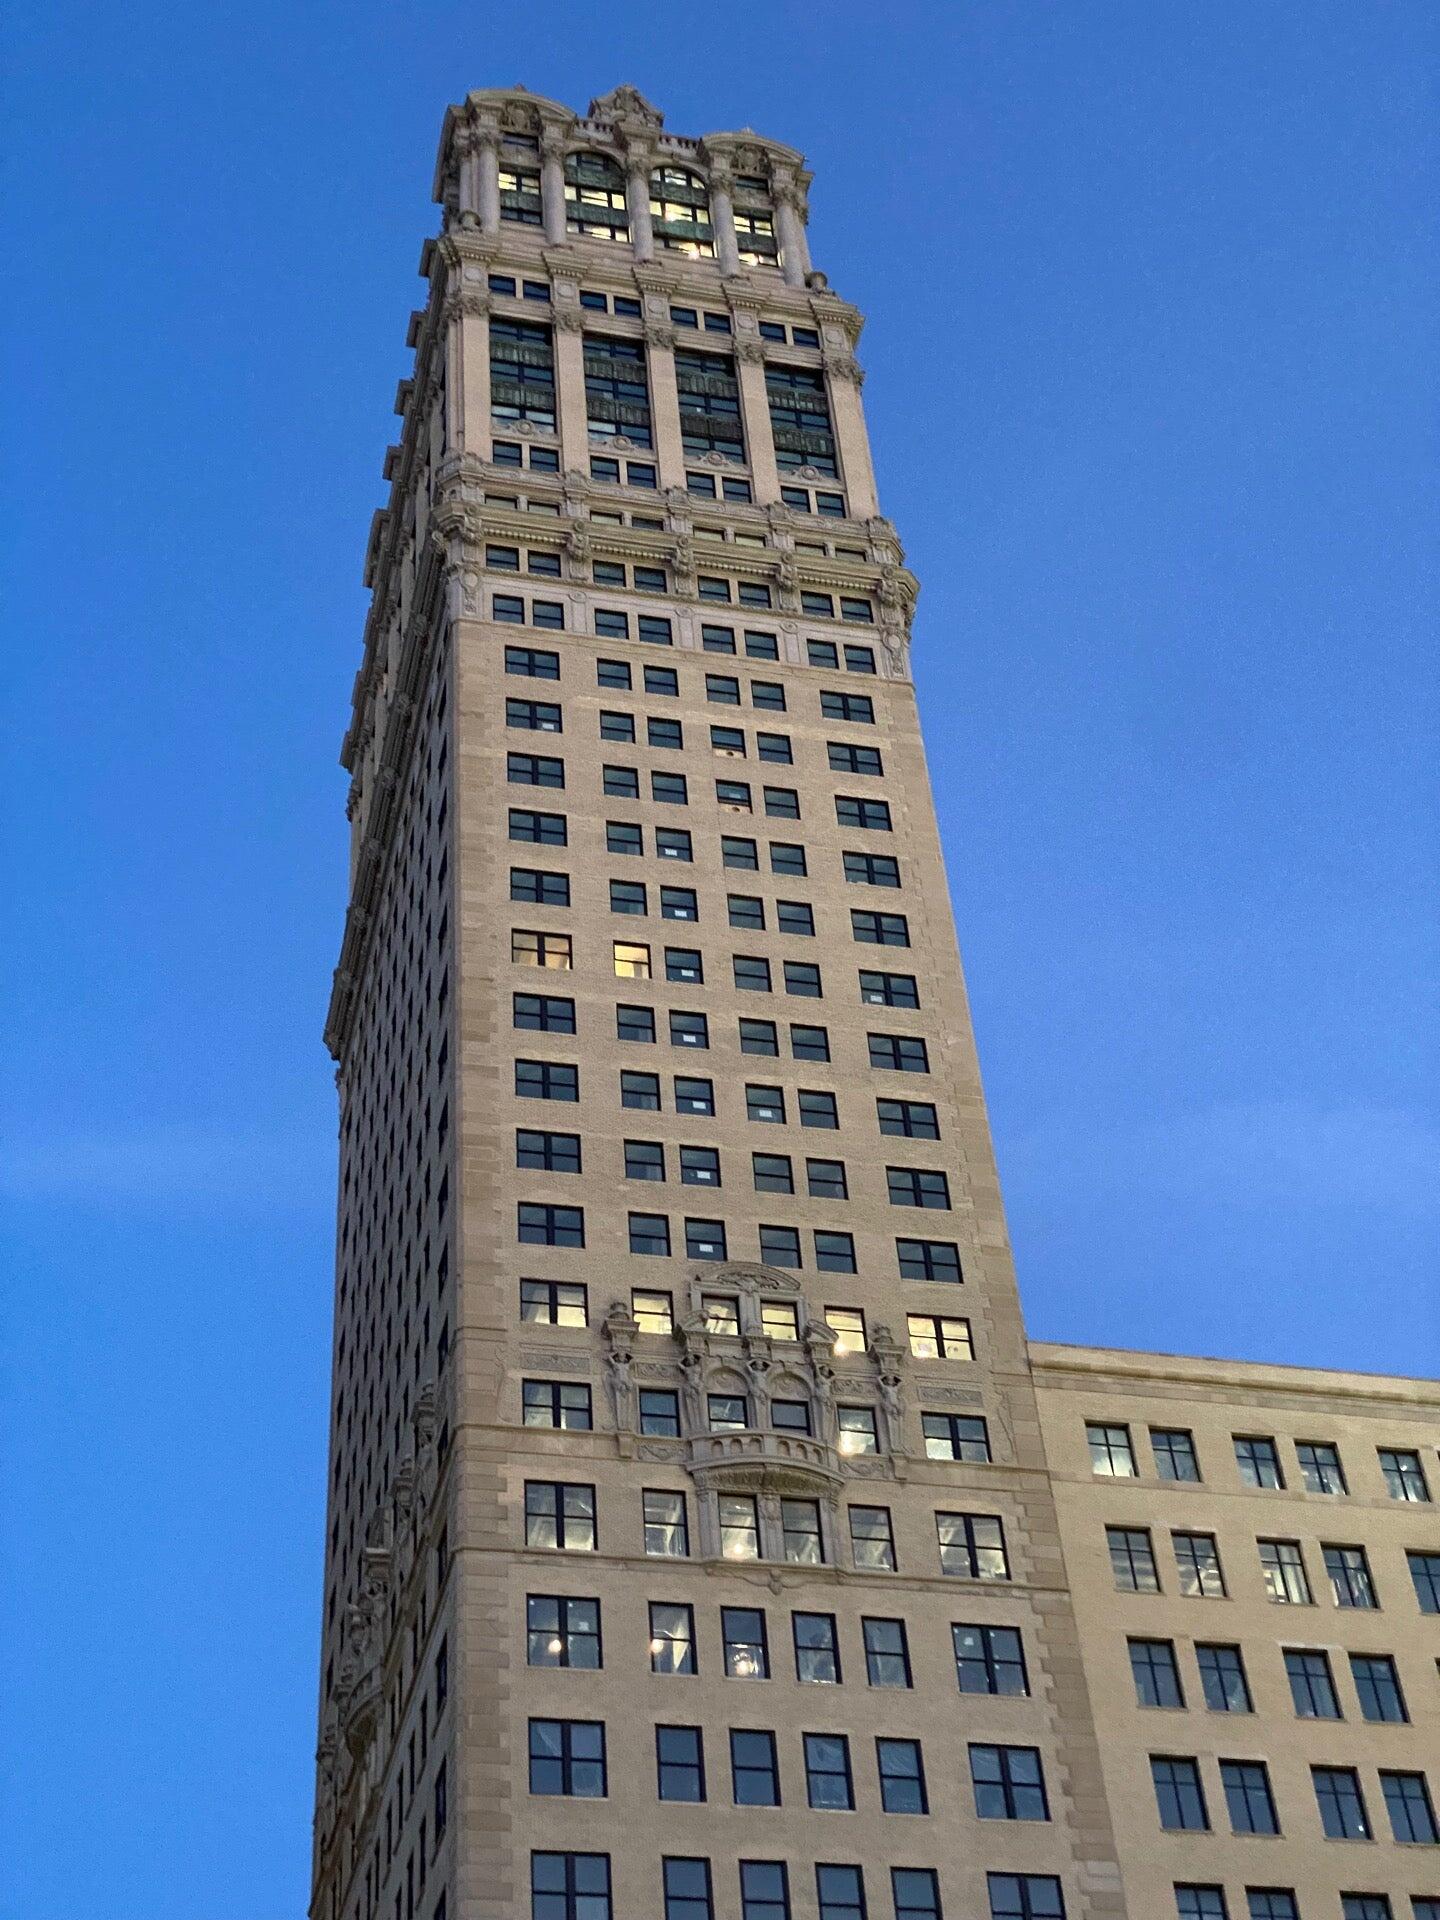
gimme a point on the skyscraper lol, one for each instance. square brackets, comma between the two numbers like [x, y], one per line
[689, 1465]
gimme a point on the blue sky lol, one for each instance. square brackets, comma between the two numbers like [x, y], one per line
[1150, 307]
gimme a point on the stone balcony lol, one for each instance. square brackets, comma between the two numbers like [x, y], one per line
[757, 1460]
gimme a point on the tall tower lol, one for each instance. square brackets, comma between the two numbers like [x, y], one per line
[690, 1547]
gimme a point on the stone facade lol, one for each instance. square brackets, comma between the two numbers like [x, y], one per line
[669, 1216]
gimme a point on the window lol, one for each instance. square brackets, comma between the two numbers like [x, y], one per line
[534, 770]
[781, 803]
[1377, 1683]
[794, 916]
[839, 1893]
[543, 1013]
[1404, 1475]
[542, 829]
[827, 1771]
[547, 1226]
[739, 1530]
[871, 869]
[705, 1239]
[989, 1659]
[917, 1187]
[780, 1246]
[1111, 1454]
[1200, 1903]
[902, 1776]
[1365, 1906]
[825, 1180]
[539, 716]
[721, 1313]
[687, 1889]
[955, 1436]
[1156, 1676]
[787, 856]
[888, 989]
[666, 1524]
[631, 958]
[1248, 1798]
[649, 1233]
[774, 749]
[880, 929]
[694, 1095]
[613, 673]
[570, 1886]
[1271, 1903]
[1009, 1783]
[887, 1652]
[556, 1403]
[550, 1152]
[754, 1772]
[1283, 1569]
[1258, 1461]
[915, 1892]
[764, 1885]
[568, 1757]
[522, 373]
[560, 1516]
[628, 896]
[595, 197]
[1320, 1468]
[1349, 1574]
[857, 1432]
[1312, 1687]
[1425, 1573]
[621, 783]
[1132, 1559]
[817, 1109]
[873, 815]
[644, 1160]
[562, 1632]
[1197, 1565]
[546, 1080]
[660, 1412]
[745, 910]
[936, 1336]
[662, 680]
[1343, 1815]
[640, 1091]
[799, 415]
[929, 1260]
[727, 1412]
[1407, 1801]
[817, 1651]
[801, 1540]
[635, 1023]
[533, 949]
[1174, 1450]
[780, 1320]
[1178, 1795]
[908, 1119]
[710, 420]
[809, 1043]
[802, 977]
[972, 1545]
[898, 1053]
[1025, 1896]
[553, 1303]
[669, 789]
[679, 1764]
[699, 1167]
[747, 1652]
[672, 1638]
[1222, 1678]
[685, 965]
[872, 1540]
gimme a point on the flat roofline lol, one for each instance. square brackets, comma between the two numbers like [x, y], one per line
[1065, 1357]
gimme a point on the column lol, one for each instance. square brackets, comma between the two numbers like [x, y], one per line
[790, 234]
[722, 218]
[465, 173]
[487, 168]
[637, 199]
[570, 415]
[755, 413]
[664, 403]
[469, 382]
[847, 420]
[552, 183]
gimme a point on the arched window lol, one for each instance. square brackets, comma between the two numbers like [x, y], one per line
[595, 196]
[680, 213]
[755, 222]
